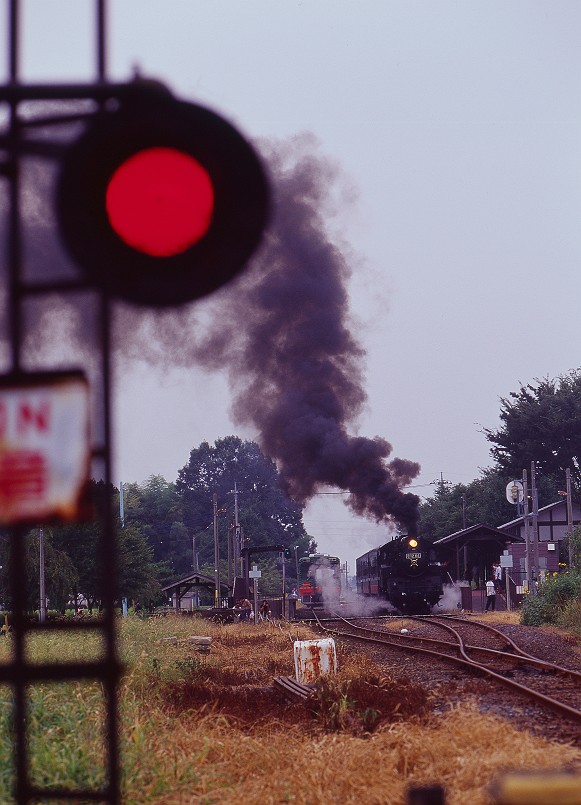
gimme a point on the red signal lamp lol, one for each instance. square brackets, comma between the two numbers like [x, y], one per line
[161, 202]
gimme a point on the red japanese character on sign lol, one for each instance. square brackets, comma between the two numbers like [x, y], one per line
[44, 447]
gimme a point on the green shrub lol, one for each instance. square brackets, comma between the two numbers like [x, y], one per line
[552, 599]
[532, 612]
[570, 618]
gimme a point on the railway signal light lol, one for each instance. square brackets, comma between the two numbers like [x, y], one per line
[160, 202]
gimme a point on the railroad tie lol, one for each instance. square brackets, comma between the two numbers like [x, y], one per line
[291, 688]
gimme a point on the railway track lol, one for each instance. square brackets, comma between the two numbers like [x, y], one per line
[477, 648]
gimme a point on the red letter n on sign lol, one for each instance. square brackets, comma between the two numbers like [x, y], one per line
[33, 417]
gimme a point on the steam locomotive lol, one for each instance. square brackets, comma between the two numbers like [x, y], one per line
[403, 572]
[319, 578]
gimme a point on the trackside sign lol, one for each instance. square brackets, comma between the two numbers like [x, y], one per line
[44, 447]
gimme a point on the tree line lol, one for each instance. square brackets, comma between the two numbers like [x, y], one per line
[162, 521]
[540, 422]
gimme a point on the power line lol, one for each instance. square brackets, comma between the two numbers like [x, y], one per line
[411, 486]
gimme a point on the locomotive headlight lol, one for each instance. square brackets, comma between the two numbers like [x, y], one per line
[413, 543]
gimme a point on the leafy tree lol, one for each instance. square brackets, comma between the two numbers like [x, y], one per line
[486, 499]
[266, 513]
[541, 422]
[155, 509]
[270, 583]
[442, 514]
[82, 544]
[137, 576]
[60, 572]
[481, 501]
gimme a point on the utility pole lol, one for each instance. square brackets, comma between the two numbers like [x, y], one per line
[283, 586]
[216, 553]
[121, 505]
[525, 486]
[194, 554]
[124, 609]
[296, 549]
[42, 609]
[231, 553]
[195, 565]
[237, 541]
[535, 497]
[569, 515]
[244, 562]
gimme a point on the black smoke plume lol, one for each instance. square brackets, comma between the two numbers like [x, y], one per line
[295, 367]
[282, 331]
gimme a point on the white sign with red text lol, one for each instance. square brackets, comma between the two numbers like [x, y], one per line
[44, 448]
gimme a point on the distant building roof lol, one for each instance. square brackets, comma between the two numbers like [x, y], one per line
[477, 533]
[192, 579]
[543, 509]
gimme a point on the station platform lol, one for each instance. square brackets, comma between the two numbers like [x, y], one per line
[475, 600]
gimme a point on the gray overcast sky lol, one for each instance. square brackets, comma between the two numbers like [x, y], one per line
[458, 124]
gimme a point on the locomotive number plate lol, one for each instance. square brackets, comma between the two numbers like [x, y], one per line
[414, 556]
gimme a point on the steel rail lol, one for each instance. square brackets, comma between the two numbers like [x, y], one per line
[560, 707]
[487, 627]
[459, 639]
[520, 656]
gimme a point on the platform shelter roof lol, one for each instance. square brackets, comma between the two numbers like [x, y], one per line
[194, 579]
[552, 521]
[471, 552]
[478, 533]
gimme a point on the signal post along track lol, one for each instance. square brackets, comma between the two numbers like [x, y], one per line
[126, 124]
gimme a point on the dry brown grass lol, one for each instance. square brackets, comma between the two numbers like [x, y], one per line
[510, 618]
[282, 763]
[206, 730]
